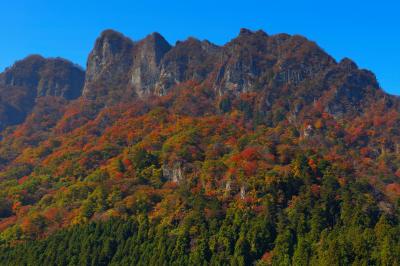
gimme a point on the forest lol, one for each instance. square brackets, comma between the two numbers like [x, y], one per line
[297, 164]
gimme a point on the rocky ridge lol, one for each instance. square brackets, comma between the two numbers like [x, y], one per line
[119, 69]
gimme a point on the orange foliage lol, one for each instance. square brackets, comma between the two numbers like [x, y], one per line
[394, 189]
[6, 222]
[267, 257]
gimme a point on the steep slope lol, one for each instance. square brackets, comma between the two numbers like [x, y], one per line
[33, 78]
[119, 66]
[119, 69]
[145, 72]
[108, 64]
[264, 150]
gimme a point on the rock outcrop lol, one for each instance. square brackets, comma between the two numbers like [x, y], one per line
[119, 67]
[188, 60]
[145, 73]
[108, 65]
[45, 77]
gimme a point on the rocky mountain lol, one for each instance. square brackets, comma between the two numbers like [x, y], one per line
[120, 69]
[32, 78]
[262, 151]
[119, 66]
[252, 62]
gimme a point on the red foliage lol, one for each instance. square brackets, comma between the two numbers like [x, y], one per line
[259, 208]
[23, 179]
[315, 189]
[394, 188]
[312, 164]
[250, 153]
[53, 213]
[170, 185]
[250, 168]
[16, 206]
[127, 163]
[267, 257]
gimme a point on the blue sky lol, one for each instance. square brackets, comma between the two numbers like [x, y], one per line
[366, 31]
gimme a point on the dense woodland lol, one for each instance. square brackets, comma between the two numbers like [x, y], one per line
[269, 176]
[314, 230]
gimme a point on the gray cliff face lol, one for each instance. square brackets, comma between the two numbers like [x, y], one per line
[108, 65]
[242, 63]
[188, 60]
[147, 55]
[119, 66]
[174, 174]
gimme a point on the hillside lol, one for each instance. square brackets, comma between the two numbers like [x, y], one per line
[32, 78]
[264, 150]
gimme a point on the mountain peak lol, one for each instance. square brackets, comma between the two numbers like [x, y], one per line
[244, 32]
[32, 57]
[348, 64]
[247, 32]
[112, 34]
[110, 57]
[34, 77]
[147, 55]
[157, 37]
[112, 42]
[35, 72]
[157, 44]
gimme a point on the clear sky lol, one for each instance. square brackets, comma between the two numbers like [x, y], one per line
[366, 31]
